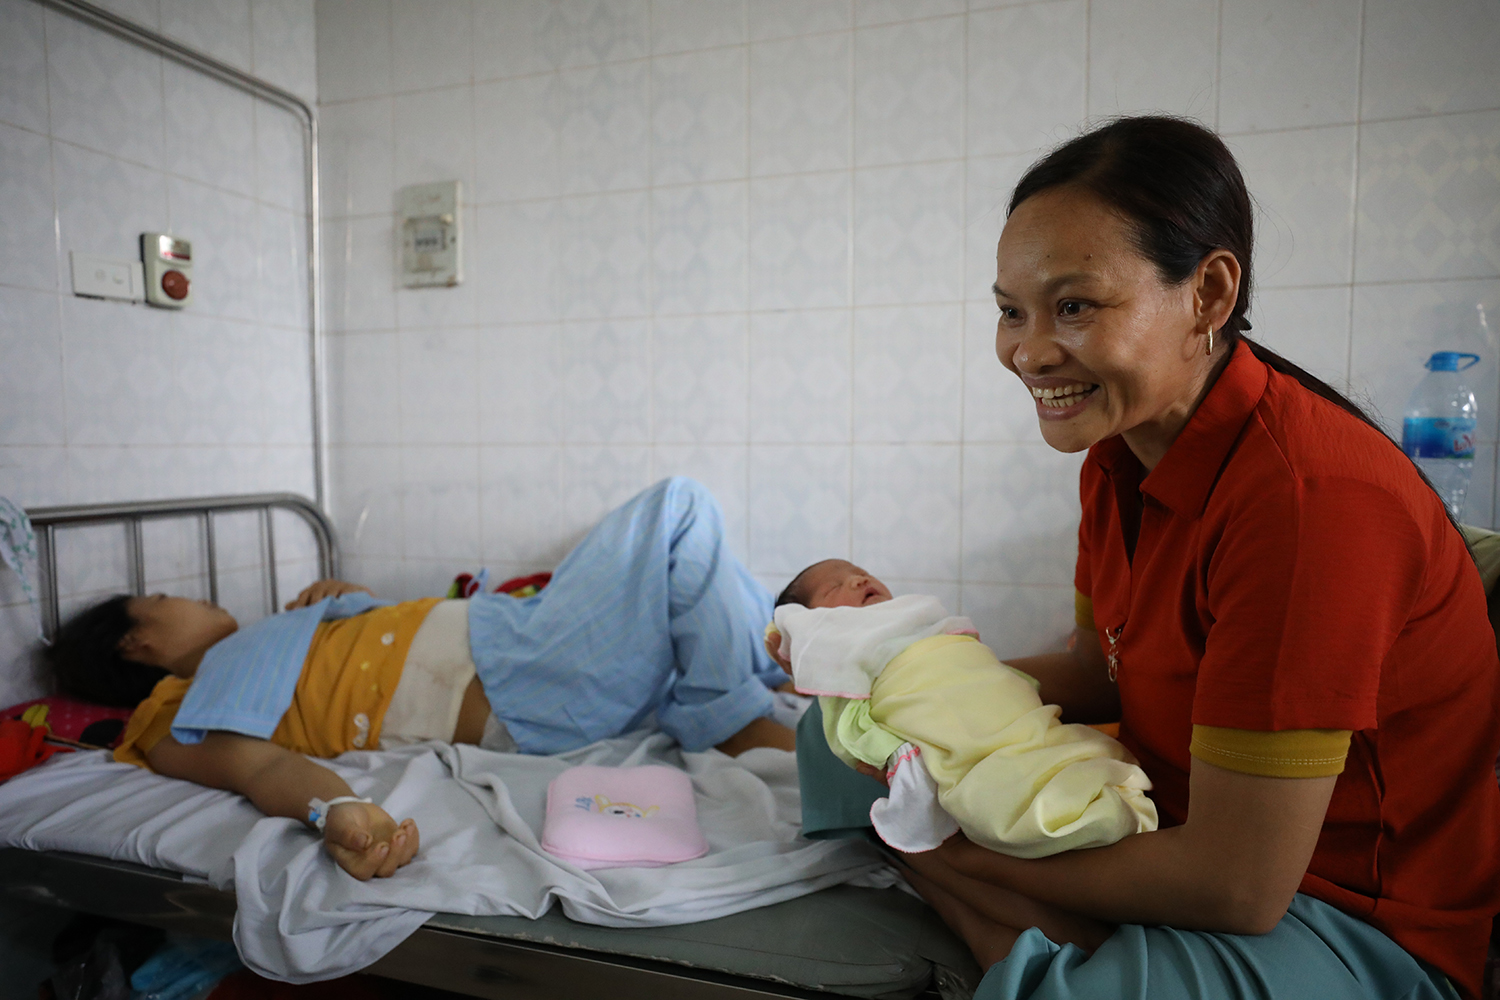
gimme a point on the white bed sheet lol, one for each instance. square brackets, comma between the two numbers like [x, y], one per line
[301, 919]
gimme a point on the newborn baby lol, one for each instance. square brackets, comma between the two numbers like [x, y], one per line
[963, 739]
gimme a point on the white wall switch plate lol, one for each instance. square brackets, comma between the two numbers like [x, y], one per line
[431, 233]
[106, 277]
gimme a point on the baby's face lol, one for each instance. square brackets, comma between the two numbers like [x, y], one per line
[835, 583]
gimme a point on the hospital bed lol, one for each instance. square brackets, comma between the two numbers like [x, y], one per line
[841, 941]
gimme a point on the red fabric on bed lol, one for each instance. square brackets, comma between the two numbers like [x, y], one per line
[21, 747]
[69, 717]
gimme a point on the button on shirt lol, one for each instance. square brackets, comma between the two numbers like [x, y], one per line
[1284, 567]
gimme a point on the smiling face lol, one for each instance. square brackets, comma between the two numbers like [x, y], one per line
[174, 632]
[835, 583]
[1102, 344]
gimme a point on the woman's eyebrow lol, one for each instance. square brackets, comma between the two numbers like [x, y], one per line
[1053, 284]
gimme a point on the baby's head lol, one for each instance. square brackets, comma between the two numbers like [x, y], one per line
[833, 583]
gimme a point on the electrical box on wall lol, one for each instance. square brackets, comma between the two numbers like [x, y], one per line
[168, 261]
[431, 234]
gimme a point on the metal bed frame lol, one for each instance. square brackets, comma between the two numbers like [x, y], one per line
[131, 515]
[468, 955]
[447, 952]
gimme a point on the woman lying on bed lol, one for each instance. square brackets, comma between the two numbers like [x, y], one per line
[650, 616]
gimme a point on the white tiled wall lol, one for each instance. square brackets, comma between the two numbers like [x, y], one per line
[105, 401]
[750, 241]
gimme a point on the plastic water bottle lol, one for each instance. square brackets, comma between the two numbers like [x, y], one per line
[1438, 432]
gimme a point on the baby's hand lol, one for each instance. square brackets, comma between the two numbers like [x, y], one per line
[324, 588]
[871, 771]
[366, 841]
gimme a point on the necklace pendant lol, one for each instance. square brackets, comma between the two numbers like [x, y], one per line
[1113, 635]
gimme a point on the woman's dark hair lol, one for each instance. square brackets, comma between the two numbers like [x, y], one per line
[1179, 188]
[85, 657]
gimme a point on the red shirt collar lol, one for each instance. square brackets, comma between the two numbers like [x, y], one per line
[1185, 476]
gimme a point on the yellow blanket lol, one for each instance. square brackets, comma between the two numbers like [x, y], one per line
[1014, 778]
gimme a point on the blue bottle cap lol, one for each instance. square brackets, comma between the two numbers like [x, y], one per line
[1448, 361]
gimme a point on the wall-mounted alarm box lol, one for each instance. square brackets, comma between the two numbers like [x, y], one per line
[168, 261]
[430, 234]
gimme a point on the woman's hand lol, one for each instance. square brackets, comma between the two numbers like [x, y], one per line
[366, 842]
[990, 918]
[1077, 679]
[325, 588]
[773, 649]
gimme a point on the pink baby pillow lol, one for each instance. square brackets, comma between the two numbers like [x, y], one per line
[622, 817]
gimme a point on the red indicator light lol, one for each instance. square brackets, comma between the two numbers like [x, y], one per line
[175, 284]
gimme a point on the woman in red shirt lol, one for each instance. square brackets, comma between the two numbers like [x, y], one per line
[1271, 600]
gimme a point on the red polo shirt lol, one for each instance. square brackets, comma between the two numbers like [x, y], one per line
[1290, 570]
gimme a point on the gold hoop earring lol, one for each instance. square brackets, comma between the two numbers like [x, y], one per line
[1210, 350]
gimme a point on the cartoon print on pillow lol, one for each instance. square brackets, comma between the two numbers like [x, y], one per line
[602, 805]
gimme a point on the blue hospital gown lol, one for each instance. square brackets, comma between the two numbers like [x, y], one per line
[651, 615]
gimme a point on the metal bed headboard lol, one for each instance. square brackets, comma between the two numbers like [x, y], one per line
[48, 520]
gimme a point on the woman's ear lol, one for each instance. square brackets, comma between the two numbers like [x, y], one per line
[1216, 287]
[135, 648]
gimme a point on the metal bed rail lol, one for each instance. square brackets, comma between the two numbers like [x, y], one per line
[47, 521]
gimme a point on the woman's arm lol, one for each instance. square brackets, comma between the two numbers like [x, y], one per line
[362, 837]
[1233, 867]
[1077, 679]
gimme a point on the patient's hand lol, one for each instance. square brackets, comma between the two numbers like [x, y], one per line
[366, 842]
[322, 589]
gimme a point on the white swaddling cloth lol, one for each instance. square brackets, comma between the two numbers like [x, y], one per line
[911, 818]
[903, 674]
[840, 651]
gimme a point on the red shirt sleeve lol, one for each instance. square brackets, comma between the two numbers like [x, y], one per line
[1308, 588]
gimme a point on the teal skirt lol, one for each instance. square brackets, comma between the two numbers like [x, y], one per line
[1315, 952]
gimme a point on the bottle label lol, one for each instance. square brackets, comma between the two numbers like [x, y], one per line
[1438, 437]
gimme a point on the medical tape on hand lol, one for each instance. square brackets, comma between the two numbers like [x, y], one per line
[317, 809]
